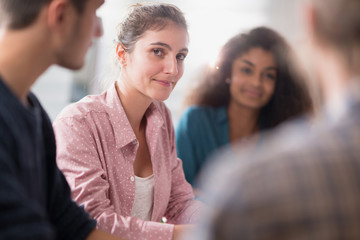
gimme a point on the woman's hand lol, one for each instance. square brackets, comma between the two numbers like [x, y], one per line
[179, 230]
[101, 235]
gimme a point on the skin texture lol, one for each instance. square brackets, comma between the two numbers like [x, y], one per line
[252, 84]
[78, 37]
[160, 55]
[253, 79]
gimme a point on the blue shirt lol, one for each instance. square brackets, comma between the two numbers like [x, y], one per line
[201, 130]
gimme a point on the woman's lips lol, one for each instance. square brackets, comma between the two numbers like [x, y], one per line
[253, 93]
[164, 82]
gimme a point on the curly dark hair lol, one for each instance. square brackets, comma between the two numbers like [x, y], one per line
[291, 96]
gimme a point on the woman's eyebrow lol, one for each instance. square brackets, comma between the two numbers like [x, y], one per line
[162, 44]
[253, 65]
[168, 46]
[248, 62]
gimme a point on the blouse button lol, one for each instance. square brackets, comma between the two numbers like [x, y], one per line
[132, 178]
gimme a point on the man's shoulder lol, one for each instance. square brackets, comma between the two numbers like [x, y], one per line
[299, 149]
[303, 139]
[295, 146]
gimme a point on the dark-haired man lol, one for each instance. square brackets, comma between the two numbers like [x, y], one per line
[35, 201]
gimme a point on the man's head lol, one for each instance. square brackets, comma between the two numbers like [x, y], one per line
[68, 26]
[76, 34]
[336, 24]
[20, 14]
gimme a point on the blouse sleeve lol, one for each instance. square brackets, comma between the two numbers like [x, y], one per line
[79, 158]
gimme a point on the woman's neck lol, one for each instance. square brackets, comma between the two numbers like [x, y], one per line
[243, 122]
[134, 104]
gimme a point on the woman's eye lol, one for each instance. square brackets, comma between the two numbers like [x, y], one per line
[158, 52]
[181, 57]
[270, 76]
[246, 70]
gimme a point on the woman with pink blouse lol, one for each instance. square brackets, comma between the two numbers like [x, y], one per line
[117, 150]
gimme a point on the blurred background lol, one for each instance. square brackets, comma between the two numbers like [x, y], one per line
[211, 24]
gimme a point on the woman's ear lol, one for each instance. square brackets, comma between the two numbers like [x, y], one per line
[121, 53]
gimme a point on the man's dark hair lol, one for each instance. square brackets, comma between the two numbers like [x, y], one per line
[22, 13]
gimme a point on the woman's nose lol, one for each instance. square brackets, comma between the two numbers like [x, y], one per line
[171, 66]
[257, 79]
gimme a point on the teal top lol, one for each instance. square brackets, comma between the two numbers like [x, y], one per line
[200, 131]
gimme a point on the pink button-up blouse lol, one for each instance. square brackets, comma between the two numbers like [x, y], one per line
[96, 149]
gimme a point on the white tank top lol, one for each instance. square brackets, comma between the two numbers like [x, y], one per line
[144, 198]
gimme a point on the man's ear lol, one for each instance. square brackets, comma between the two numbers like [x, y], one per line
[310, 21]
[59, 14]
[121, 53]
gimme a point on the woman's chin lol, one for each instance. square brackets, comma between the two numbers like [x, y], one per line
[161, 99]
[160, 96]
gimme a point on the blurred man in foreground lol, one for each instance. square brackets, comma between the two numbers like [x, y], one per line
[308, 188]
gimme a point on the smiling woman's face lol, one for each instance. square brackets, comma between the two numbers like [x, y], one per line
[156, 63]
[253, 78]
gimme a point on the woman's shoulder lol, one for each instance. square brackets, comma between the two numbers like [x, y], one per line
[90, 103]
[201, 118]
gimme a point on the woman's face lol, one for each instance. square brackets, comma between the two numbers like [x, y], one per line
[156, 63]
[253, 78]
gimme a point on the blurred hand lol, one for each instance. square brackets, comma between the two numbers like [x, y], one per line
[101, 235]
[179, 230]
